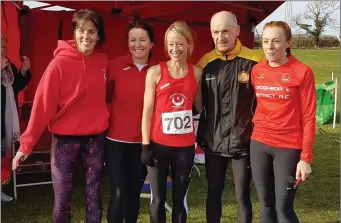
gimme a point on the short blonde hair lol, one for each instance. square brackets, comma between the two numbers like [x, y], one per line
[181, 28]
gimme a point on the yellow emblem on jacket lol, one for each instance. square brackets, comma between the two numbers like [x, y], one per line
[243, 77]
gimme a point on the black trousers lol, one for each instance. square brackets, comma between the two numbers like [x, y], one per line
[216, 167]
[274, 172]
[126, 177]
[181, 162]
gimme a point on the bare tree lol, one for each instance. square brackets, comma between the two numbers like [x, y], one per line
[257, 33]
[320, 12]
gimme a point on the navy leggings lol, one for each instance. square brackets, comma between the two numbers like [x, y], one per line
[64, 153]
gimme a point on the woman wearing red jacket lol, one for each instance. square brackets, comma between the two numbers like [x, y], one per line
[284, 125]
[126, 78]
[70, 100]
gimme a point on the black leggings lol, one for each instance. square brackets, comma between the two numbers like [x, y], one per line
[215, 172]
[126, 178]
[181, 163]
[273, 172]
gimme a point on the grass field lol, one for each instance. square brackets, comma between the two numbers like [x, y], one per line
[317, 200]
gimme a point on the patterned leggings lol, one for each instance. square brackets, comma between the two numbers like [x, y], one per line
[64, 153]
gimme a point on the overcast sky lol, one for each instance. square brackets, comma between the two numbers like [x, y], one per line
[279, 14]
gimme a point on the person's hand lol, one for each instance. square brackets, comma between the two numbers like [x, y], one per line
[303, 170]
[19, 157]
[147, 156]
[25, 65]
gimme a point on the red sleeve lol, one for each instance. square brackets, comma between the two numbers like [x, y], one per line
[45, 106]
[308, 112]
[110, 81]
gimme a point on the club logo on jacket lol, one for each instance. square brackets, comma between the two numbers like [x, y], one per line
[261, 77]
[286, 77]
[177, 100]
[243, 77]
[209, 77]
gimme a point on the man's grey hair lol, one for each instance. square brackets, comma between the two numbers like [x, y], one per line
[230, 14]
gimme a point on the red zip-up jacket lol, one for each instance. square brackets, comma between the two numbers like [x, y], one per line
[126, 99]
[286, 106]
[70, 97]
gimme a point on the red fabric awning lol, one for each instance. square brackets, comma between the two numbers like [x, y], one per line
[35, 34]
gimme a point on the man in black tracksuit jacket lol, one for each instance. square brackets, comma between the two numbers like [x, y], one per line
[225, 125]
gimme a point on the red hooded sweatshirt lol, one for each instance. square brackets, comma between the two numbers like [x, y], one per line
[70, 97]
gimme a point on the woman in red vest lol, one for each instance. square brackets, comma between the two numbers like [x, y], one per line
[126, 79]
[168, 136]
[284, 125]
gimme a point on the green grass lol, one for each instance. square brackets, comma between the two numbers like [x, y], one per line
[317, 200]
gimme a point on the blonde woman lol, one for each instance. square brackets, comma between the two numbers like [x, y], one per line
[168, 137]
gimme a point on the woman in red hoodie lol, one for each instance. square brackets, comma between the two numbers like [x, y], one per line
[126, 76]
[70, 100]
[284, 125]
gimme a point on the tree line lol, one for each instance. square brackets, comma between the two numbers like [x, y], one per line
[307, 42]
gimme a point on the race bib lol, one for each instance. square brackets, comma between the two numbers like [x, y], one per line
[180, 122]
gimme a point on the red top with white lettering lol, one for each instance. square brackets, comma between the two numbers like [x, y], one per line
[172, 120]
[286, 106]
